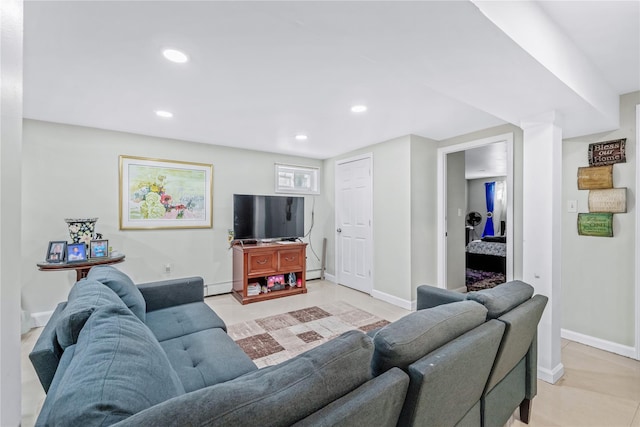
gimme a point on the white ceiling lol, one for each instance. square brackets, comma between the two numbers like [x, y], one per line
[262, 72]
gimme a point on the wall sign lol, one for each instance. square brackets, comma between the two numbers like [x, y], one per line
[595, 178]
[595, 224]
[607, 153]
[613, 200]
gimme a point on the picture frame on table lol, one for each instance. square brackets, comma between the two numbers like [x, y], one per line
[99, 248]
[56, 251]
[165, 194]
[76, 252]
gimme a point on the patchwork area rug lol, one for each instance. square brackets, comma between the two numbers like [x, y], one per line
[274, 339]
[478, 279]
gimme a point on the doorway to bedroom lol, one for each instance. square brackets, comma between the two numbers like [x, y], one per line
[475, 211]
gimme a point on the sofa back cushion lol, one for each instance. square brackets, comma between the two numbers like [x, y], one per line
[85, 296]
[408, 339]
[122, 285]
[118, 369]
[277, 395]
[502, 298]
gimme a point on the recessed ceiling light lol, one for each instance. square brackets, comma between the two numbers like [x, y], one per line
[359, 108]
[164, 114]
[174, 55]
[301, 137]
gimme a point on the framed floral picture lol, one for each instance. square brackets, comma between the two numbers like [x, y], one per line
[156, 194]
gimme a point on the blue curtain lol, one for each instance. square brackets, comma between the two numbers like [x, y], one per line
[490, 189]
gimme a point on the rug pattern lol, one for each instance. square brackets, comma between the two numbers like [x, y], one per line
[477, 279]
[271, 340]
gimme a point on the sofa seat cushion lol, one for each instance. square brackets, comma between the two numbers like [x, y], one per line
[85, 296]
[118, 369]
[411, 337]
[206, 358]
[122, 285]
[173, 322]
[502, 298]
[278, 395]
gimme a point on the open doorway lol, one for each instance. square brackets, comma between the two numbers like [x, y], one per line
[469, 175]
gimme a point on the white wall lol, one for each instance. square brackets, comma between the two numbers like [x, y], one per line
[598, 272]
[11, 19]
[71, 171]
[404, 211]
[456, 232]
[423, 234]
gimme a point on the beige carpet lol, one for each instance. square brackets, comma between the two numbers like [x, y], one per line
[274, 339]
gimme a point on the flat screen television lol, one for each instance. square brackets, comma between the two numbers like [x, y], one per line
[267, 217]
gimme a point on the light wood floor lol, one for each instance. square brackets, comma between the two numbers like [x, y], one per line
[598, 389]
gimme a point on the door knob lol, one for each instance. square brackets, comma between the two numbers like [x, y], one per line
[339, 230]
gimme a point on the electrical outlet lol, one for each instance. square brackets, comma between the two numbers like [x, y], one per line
[572, 206]
[167, 268]
[229, 235]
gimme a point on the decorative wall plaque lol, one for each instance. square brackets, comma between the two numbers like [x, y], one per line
[595, 178]
[595, 224]
[607, 153]
[612, 200]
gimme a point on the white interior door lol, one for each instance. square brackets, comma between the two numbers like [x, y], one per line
[353, 224]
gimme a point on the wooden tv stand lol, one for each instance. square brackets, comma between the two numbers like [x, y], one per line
[255, 262]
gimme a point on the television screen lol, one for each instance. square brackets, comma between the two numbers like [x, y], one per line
[267, 217]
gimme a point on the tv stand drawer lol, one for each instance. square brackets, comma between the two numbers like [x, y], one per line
[261, 263]
[290, 260]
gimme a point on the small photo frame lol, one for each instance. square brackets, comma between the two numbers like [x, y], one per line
[76, 252]
[56, 251]
[99, 249]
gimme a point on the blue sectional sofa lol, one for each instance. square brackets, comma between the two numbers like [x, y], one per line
[157, 355]
[512, 380]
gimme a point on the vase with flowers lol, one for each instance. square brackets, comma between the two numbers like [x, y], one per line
[82, 230]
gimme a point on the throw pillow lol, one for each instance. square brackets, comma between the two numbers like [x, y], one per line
[411, 337]
[502, 298]
[122, 285]
[84, 298]
[118, 369]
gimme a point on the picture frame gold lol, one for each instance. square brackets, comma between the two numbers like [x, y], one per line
[164, 194]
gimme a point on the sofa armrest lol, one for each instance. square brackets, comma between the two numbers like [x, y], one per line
[169, 293]
[531, 367]
[430, 296]
[377, 402]
[46, 353]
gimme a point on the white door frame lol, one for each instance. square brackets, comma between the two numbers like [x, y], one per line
[442, 200]
[369, 250]
[637, 306]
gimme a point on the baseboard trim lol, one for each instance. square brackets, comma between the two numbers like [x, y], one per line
[218, 288]
[611, 347]
[40, 319]
[392, 299]
[330, 278]
[551, 376]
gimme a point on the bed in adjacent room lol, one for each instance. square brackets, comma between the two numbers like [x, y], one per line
[486, 263]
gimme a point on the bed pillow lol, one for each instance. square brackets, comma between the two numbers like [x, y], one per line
[497, 239]
[122, 285]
